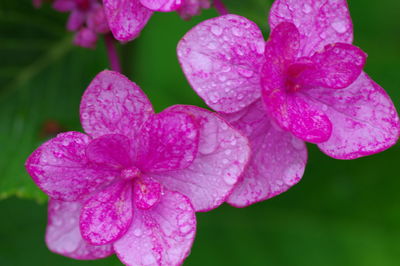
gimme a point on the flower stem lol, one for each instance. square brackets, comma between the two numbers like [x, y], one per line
[220, 7]
[112, 53]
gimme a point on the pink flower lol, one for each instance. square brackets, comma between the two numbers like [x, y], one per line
[127, 18]
[305, 84]
[132, 184]
[87, 19]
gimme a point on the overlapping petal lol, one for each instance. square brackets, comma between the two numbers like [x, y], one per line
[162, 5]
[320, 22]
[63, 235]
[277, 161]
[107, 215]
[364, 119]
[221, 58]
[112, 104]
[222, 157]
[191, 8]
[111, 150]
[168, 141]
[162, 235]
[126, 18]
[61, 169]
[336, 67]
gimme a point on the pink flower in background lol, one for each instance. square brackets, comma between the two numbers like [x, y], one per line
[132, 183]
[87, 19]
[305, 84]
[127, 18]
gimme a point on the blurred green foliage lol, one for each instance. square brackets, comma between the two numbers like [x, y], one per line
[341, 213]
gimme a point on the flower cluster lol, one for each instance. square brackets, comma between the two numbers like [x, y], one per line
[87, 19]
[305, 84]
[132, 183]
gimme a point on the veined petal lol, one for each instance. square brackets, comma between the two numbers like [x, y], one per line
[168, 141]
[162, 235]
[162, 5]
[277, 161]
[111, 150]
[337, 67]
[63, 235]
[221, 159]
[221, 58]
[61, 169]
[107, 215]
[126, 18]
[320, 22]
[147, 193]
[364, 119]
[112, 104]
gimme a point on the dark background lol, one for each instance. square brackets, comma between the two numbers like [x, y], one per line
[341, 213]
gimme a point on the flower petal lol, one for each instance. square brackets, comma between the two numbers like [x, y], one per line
[221, 58]
[290, 110]
[283, 44]
[107, 215]
[191, 8]
[277, 162]
[112, 104]
[162, 5]
[320, 22]
[111, 150]
[63, 235]
[169, 141]
[60, 168]
[162, 235]
[337, 67]
[222, 157]
[147, 193]
[126, 18]
[364, 119]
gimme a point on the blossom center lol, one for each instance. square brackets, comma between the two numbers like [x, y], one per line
[130, 173]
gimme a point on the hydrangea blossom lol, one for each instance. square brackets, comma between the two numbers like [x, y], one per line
[305, 84]
[87, 19]
[132, 183]
[127, 18]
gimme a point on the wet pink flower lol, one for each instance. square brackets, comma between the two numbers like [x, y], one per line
[87, 19]
[127, 18]
[132, 183]
[305, 84]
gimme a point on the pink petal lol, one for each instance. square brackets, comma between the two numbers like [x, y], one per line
[126, 18]
[320, 22]
[169, 141]
[338, 66]
[162, 235]
[76, 20]
[221, 58]
[147, 193]
[284, 43]
[290, 111]
[86, 38]
[107, 215]
[64, 5]
[111, 150]
[112, 104]
[222, 157]
[162, 5]
[60, 168]
[277, 162]
[96, 19]
[191, 8]
[63, 235]
[363, 117]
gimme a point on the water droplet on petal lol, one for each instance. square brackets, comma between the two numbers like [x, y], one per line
[216, 30]
[339, 26]
[307, 8]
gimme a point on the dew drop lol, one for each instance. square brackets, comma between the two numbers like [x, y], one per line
[307, 8]
[216, 30]
[339, 26]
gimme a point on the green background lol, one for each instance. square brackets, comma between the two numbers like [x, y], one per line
[341, 213]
